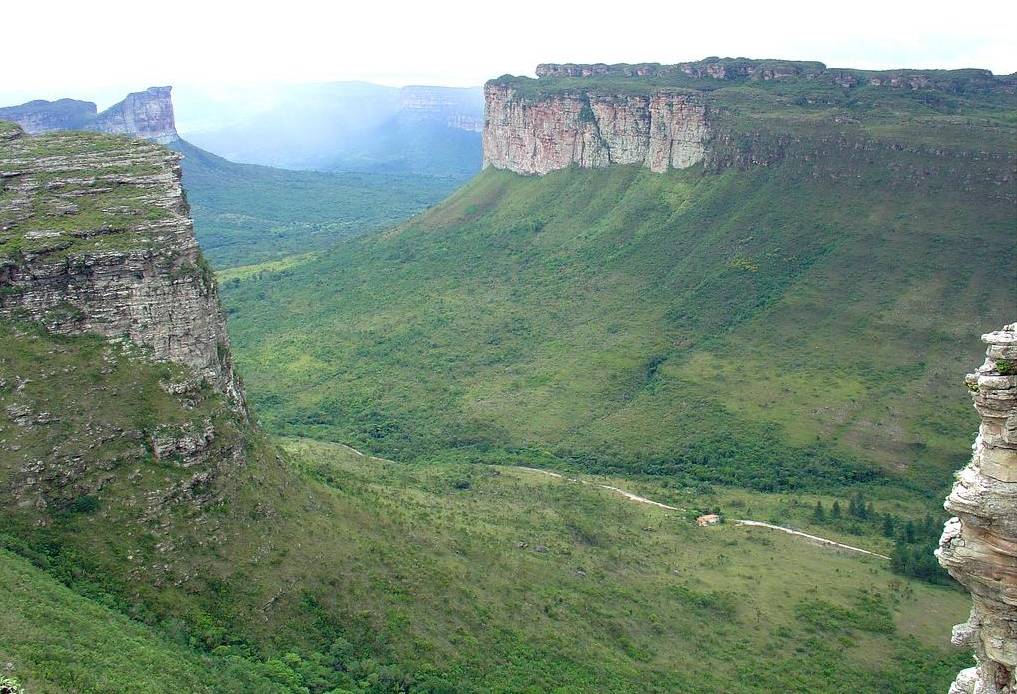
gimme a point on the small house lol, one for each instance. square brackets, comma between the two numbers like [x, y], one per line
[708, 519]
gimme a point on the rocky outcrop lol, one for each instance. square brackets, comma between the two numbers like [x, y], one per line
[147, 114]
[95, 237]
[979, 544]
[534, 136]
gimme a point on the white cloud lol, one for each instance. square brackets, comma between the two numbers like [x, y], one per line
[87, 49]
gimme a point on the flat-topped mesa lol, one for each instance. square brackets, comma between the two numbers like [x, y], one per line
[746, 69]
[96, 237]
[147, 114]
[716, 68]
[725, 112]
[979, 544]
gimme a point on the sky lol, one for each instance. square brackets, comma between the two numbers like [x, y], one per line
[100, 50]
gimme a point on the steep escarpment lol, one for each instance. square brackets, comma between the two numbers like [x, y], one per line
[660, 131]
[735, 113]
[147, 114]
[979, 544]
[125, 440]
[95, 237]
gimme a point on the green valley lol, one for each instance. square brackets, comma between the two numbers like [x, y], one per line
[665, 399]
[617, 320]
[246, 214]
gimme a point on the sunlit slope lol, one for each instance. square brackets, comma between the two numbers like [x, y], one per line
[775, 327]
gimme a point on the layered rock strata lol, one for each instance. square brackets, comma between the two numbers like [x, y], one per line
[659, 131]
[979, 544]
[95, 237]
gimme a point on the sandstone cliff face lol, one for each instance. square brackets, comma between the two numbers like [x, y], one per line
[147, 114]
[979, 544]
[95, 237]
[660, 131]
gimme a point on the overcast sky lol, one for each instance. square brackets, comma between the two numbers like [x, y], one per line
[101, 49]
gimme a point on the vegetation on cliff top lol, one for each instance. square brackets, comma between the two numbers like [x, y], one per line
[961, 109]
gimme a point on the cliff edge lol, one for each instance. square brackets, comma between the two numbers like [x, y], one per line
[979, 544]
[735, 112]
[96, 237]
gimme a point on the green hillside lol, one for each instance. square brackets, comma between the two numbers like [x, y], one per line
[246, 214]
[786, 327]
[55, 640]
[313, 568]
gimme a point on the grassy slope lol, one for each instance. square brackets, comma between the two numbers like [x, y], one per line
[680, 323]
[246, 214]
[55, 640]
[514, 581]
[491, 579]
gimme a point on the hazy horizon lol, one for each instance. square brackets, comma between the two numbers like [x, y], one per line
[204, 46]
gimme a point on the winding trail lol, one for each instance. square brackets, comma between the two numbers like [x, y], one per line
[821, 541]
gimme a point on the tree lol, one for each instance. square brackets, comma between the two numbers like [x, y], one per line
[835, 511]
[818, 514]
[888, 525]
[909, 532]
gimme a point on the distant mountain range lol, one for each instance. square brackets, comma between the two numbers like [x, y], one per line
[341, 126]
[147, 114]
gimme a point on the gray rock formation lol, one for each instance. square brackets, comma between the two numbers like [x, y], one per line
[979, 544]
[147, 114]
[95, 237]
